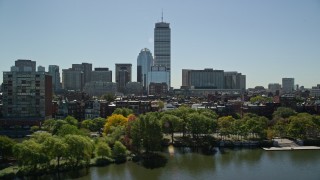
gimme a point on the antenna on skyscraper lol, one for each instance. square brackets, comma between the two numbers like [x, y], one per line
[162, 16]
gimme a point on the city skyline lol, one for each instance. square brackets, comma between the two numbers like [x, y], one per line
[266, 41]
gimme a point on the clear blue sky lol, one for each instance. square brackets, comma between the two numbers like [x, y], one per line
[265, 40]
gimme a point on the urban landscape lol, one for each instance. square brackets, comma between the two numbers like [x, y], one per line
[129, 120]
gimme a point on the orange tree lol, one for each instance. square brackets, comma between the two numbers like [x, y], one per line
[114, 120]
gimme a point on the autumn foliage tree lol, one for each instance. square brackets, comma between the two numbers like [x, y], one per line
[113, 121]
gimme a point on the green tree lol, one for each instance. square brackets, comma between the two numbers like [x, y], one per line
[301, 126]
[68, 129]
[48, 125]
[108, 97]
[87, 124]
[79, 148]
[40, 136]
[182, 112]
[57, 125]
[71, 120]
[260, 99]
[197, 124]
[225, 125]
[284, 112]
[34, 128]
[55, 148]
[171, 124]
[146, 132]
[29, 153]
[123, 111]
[6, 145]
[119, 152]
[257, 125]
[103, 150]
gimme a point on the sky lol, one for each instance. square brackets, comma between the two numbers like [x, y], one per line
[265, 40]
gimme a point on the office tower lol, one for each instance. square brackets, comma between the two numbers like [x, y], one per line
[206, 79]
[86, 68]
[26, 93]
[158, 74]
[274, 88]
[287, 85]
[162, 46]
[101, 74]
[25, 65]
[234, 80]
[185, 77]
[144, 63]
[99, 88]
[41, 69]
[242, 82]
[123, 75]
[72, 79]
[55, 74]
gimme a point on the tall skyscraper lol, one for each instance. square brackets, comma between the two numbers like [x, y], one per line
[123, 75]
[287, 85]
[55, 73]
[162, 46]
[144, 63]
[27, 94]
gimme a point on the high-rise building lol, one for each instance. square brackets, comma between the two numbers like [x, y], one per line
[158, 74]
[72, 79]
[274, 88]
[55, 73]
[86, 68]
[287, 85]
[144, 63]
[206, 79]
[162, 46]
[99, 88]
[234, 80]
[25, 65]
[101, 74]
[213, 79]
[123, 75]
[27, 94]
[185, 77]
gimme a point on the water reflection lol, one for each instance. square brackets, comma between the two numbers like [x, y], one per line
[183, 163]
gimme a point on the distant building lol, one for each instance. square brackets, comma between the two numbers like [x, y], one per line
[55, 74]
[287, 85]
[101, 74]
[123, 75]
[274, 88]
[26, 93]
[135, 88]
[186, 77]
[99, 88]
[206, 79]
[25, 65]
[72, 79]
[162, 46]
[158, 89]
[41, 69]
[158, 74]
[144, 64]
[234, 80]
[86, 68]
[315, 91]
